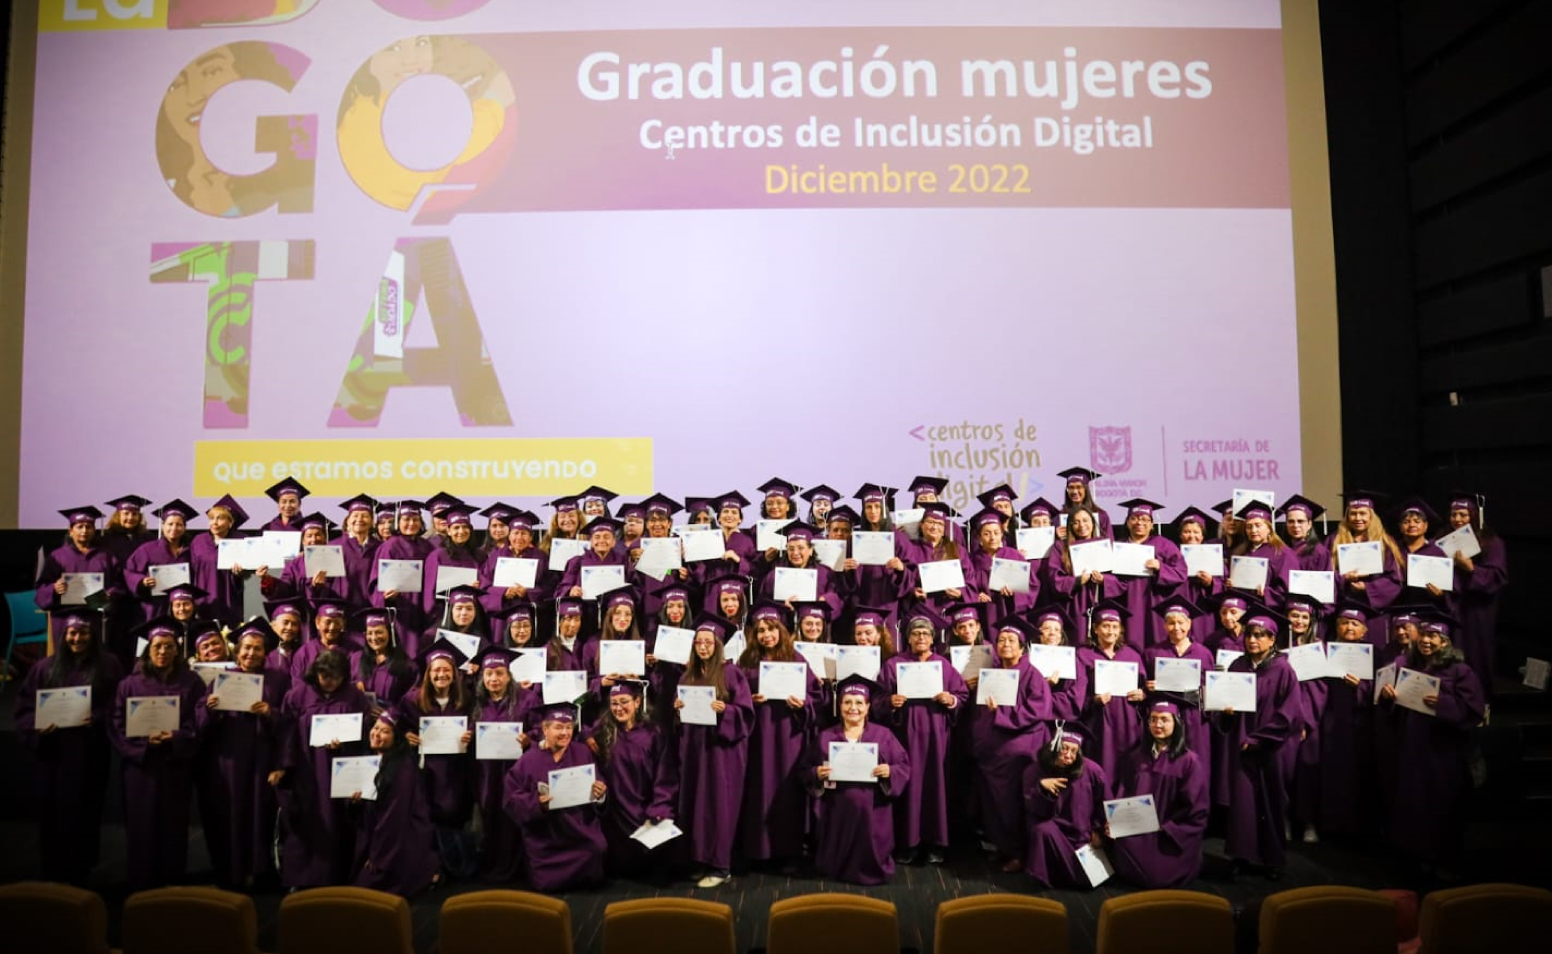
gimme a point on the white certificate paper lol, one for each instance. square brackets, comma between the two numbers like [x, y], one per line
[1318, 585]
[339, 727]
[697, 708]
[625, 657]
[1366, 558]
[498, 741]
[1536, 672]
[330, 561]
[1058, 661]
[467, 643]
[706, 545]
[734, 647]
[908, 521]
[233, 552]
[1462, 540]
[940, 575]
[78, 586]
[857, 661]
[653, 834]
[1095, 555]
[566, 685]
[780, 681]
[1247, 573]
[919, 680]
[1225, 657]
[1230, 690]
[237, 691]
[1132, 816]
[564, 549]
[401, 576]
[443, 735]
[1423, 570]
[970, 660]
[1130, 559]
[64, 708]
[515, 571]
[673, 644]
[660, 556]
[167, 576]
[1351, 659]
[285, 544]
[1174, 674]
[853, 762]
[1203, 558]
[767, 534]
[150, 715]
[354, 774]
[1309, 661]
[598, 580]
[999, 685]
[1095, 864]
[450, 576]
[207, 671]
[819, 656]
[1014, 574]
[1114, 677]
[872, 547]
[794, 583]
[830, 553]
[1242, 497]
[529, 665]
[1384, 676]
[1035, 542]
[1412, 686]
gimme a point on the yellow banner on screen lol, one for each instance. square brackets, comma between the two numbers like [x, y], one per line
[57, 15]
[388, 468]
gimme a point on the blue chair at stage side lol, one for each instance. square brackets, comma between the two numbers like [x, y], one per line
[28, 625]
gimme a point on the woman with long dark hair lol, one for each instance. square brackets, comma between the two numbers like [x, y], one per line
[382, 669]
[1064, 800]
[638, 765]
[393, 827]
[448, 778]
[1163, 766]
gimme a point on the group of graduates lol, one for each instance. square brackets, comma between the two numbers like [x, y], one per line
[1024, 772]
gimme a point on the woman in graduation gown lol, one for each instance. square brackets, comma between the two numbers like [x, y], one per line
[1303, 748]
[1337, 760]
[244, 752]
[1080, 497]
[602, 551]
[223, 588]
[1249, 762]
[317, 840]
[1415, 521]
[1433, 783]
[882, 586]
[126, 527]
[1166, 574]
[986, 527]
[499, 699]
[1180, 618]
[800, 556]
[381, 669]
[407, 544]
[71, 764]
[1202, 586]
[1112, 722]
[775, 805]
[1004, 735]
[1064, 800]
[171, 546]
[637, 763]
[565, 846]
[1068, 696]
[1479, 584]
[359, 546]
[1299, 513]
[294, 582]
[924, 728]
[1078, 594]
[330, 633]
[519, 545]
[1262, 542]
[1163, 765]
[84, 552]
[713, 758]
[854, 836]
[448, 779]
[1360, 524]
[158, 769]
[658, 513]
[460, 552]
[393, 828]
[937, 545]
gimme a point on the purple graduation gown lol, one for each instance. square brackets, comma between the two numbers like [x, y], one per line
[1477, 594]
[494, 597]
[1198, 731]
[1172, 856]
[223, 599]
[1059, 826]
[71, 772]
[875, 586]
[914, 553]
[1336, 760]
[1116, 727]
[383, 685]
[355, 587]
[393, 832]
[924, 729]
[1142, 593]
[854, 834]
[1254, 778]
[775, 803]
[1378, 592]
[308, 653]
[1075, 597]
[566, 847]
[317, 832]
[712, 763]
[1068, 696]
[824, 588]
[240, 749]
[979, 577]
[151, 553]
[1279, 563]
[501, 854]
[448, 780]
[1002, 743]
[407, 607]
[706, 572]
[643, 784]
[466, 557]
[1433, 781]
[158, 780]
[98, 559]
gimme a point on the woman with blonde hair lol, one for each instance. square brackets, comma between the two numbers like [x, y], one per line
[1361, 524]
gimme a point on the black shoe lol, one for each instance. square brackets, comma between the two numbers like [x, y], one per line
[905, 857]
[934, 856]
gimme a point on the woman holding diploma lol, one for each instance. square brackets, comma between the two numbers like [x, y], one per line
[241, 753]
[1166, 573]
[738, 554]
[854, 835]
[1479, 584]
[775, 805]
[1007, 725]
[171, 546]
[407, 544]
[465, 616]
[518, 545]
[382, 669]
[359, 547]
[1299, 515]
[658, 522]
[317, 835]
[619, 623]
[294, 583]
[1301, 756]
[71, 779]
[1337, 757]
[1261, 542]
[1079, 498]
[1414, 521]
[564, 651]
[713, 758]
[1163, 765]
[446, 773]
[987, 528]
[565, 845]
[638, 767]
[126, 527]
[1179, 623]
[1111, 719]
[1361, 524]
[601, 552]
[1064, 799]
[1068, 696]
[1434, 747]
[499, 699]
[1249, 765]
[393, 827]
[329, 627]
[882, 586]
[924, 727]
[1201, 586]
[84, 551]
[1078, 593]
[158, 759]
[459, 552]
[800, 556]
[662, 687]
[936, 546]
[223, 588]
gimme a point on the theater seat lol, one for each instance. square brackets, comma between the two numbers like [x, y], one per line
[537, 923]
[1166, 922]
[1311, 919]
[985, 922]
[52, 918]
[1406, 919]
[331, 920]
[668, 926]
[1484, 917]
[189, 921]
[833, 924]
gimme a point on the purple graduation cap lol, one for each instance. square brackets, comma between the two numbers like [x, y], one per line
[603, 523]
[330, 607]
[1046, 614]
[1298, 502]
[517, 609]
[818, 609]
[1070, 733]
[408, 508]
[769, 610]
[596, 494]
[924, 612]
[523, 520]
[776, 487]
[564, 714]
[275, 609]
[359, 502]
[845, 513]
[878, 492]
[565, 504]
[1194, 515]
[966, 612]
[868, 616]
[440, 501]
[1016, 623]
[1467, 500]
[497, 658]
[715, 625]
[442, 649]
[259, 626]
[1368, 499]
[1224, 509]
[316, 520]
[201, 631]
[661, 504]
[934, 510]
[1420, 507]
[1353, 609]
[568, 606]
[1001, 493]
[130, 502]
[821, 492]
[1111, 609]
[637, 510]
[1164, 705]
[798, 530]
[87, 514]
[385, 508]
[1433, 620]
[619, 598]
[176, 508]
[186, 591]
[1079, 475]
[1176, 606]
[857, 684]
[286, 485]
[1141, 505]
[985, 516]
[1255, 510]
[239, 515]
[365, 619]
[732, 500]
[1230, 598]
[1039, 505]
[463, 594]
[728, 584]
[499, 512]
[459, 514]
[158, 626]
[1258, 614]
[923, 484]
[695, 506]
